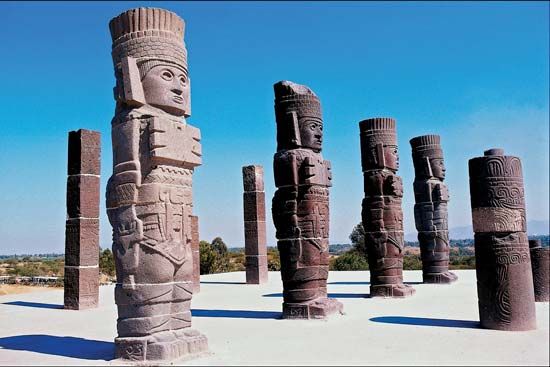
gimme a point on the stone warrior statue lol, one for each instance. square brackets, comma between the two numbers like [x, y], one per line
[382, 214]
[503, 268]
[430, 211]
[301, 203]
[149, 195]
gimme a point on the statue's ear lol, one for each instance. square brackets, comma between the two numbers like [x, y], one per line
[428, 167]
[187, 108]
[296, 139]
[132, 92]
[380, 155]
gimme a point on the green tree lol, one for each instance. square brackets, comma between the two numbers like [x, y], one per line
[214, 257]
[357, 238]
[106, 262]
[273, 259]
[412, 262]
[350, 260]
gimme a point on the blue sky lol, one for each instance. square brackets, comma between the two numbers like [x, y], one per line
[476, 73]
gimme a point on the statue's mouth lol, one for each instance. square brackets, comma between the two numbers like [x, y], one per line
[177, 99]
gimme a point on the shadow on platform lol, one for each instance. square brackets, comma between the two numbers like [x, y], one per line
[422, 321]
[34, 304]
[207, 282]
[66, 346]
[366, 283]
[330, 295]
[236, 314]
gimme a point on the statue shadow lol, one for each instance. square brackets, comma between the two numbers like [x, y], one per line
[367, 283]
[423, 321]
[236, 314]
[207, 282]
[330, 295]
[65, 346]
[34, 304]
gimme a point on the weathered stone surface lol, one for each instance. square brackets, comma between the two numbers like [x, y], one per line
[504, 278]
[195, 246]
[256, 269]
[381, 214]
[81, 288]
[82, 242]
[253, 178]
[300, 206]
[430, 209]
[254, 225]
[254, 206]
[149, 195]
[540, 263]
[83, 196]
[82, 225]
[84, 152]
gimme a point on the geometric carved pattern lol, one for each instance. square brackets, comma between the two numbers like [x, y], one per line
[503, 266]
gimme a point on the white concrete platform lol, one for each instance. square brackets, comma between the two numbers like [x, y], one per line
[437, 326]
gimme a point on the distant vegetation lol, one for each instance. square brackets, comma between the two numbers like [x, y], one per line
[215, 257]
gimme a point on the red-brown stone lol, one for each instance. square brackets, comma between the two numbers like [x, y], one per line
[254, 224]
[504, 278]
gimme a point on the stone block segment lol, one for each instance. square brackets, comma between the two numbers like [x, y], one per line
[150, 193]
[540, 263]
[254, 225]
[81, 281]
[300, 206]
[504, 278]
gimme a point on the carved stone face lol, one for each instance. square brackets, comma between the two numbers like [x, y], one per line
[166, 87]
[391, 157]
[311, 133]
[438, 167]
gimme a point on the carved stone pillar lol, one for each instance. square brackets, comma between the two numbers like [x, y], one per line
[430, 211]
[254, 225]
[540, 263]
[149, 195]
[195, 247]
[81, 280]
[504, 278]
[382, 214]
[300, 206]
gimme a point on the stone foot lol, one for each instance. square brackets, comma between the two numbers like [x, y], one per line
[440, 278]
[319, 308]
[391, 290]
[163, 346]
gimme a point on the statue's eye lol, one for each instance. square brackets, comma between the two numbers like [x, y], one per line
[183, 80]
[167, 75]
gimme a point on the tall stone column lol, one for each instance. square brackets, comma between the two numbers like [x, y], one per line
[149, 195]
[382, 214]
[82, 226]
[540, 263]
[254, 225]
[503, 268]
[300, 205]
[430, 211]
[195, 246]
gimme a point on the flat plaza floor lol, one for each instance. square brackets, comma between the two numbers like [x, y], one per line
[437, 326]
